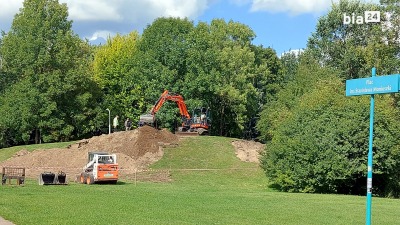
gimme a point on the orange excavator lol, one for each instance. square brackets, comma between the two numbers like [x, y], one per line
[198, 124]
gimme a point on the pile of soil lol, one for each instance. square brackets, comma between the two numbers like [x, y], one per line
[248, 151]
[135, 150]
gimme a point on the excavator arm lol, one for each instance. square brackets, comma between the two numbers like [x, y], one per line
[171, 97]
[165, 96]
[159, 103]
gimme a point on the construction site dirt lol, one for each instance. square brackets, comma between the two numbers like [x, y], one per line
[136, 150]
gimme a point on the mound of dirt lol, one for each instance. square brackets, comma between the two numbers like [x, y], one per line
[248, 151]
[135, 150]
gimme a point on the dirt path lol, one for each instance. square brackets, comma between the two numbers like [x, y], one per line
[5, 222]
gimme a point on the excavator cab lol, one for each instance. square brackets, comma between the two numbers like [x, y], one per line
[201, 121]
[201, 116]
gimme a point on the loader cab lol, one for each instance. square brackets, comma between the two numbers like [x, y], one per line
[103, 157]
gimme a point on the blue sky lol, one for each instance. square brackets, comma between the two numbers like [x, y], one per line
[280, 24]
[280, 30]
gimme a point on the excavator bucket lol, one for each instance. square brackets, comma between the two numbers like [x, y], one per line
[146, 119]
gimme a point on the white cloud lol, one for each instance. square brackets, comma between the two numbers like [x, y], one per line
[93, 10]
[119, 16]
[133, 10]
[118, 10]
[294, 7]
[9, 9]
[103, 18]
[291, 6]
[102, 34]
[180, 8]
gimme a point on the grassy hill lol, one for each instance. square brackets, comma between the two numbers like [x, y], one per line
[209, 186]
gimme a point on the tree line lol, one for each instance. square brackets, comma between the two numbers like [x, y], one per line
[56, 87]
[317, 139]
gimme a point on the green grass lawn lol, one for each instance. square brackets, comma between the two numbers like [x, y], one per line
[224, 191]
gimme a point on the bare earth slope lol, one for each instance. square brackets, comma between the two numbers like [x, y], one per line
[248, 151]
[135, 150]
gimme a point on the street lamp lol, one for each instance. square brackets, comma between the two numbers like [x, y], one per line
[109, 121]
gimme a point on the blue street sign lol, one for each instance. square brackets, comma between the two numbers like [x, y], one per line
[370, 86]
[373, 85]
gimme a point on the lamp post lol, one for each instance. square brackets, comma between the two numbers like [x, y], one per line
[109, 121]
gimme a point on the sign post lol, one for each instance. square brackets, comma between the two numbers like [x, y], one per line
[371, 86]
[371, 137]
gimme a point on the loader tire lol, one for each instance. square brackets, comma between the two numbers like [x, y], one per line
[82, 178]
[90, 179]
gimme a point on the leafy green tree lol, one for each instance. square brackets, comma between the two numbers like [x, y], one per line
[321, 146]
[114, 71]
[32, 44]
[316, 137]
[161, 65]
[345, 46]
[42, 54]
[308, 73]
[165, 42]
[270, 78]
[19, 105]
[290, 64]
[222, 71]
[212, 65]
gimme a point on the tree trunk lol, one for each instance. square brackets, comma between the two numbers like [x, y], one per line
[37, 136]
[221, 123]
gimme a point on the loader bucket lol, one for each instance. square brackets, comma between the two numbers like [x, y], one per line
[46, 178]
[62, 178]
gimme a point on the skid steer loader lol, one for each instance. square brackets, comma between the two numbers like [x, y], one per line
[101, 168]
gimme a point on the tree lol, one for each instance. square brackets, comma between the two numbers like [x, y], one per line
[321, 146]
[221, 73]
[317, 137]
[161, 64]
[32, 44]
[165, 42]
[290, 64]
[115, 71]
[19, 105]
[40, 52]
[308, 73]
[212, 65]
[346, 47]
[270, 78]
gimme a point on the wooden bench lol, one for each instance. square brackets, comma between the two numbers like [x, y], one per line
[9, 173]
